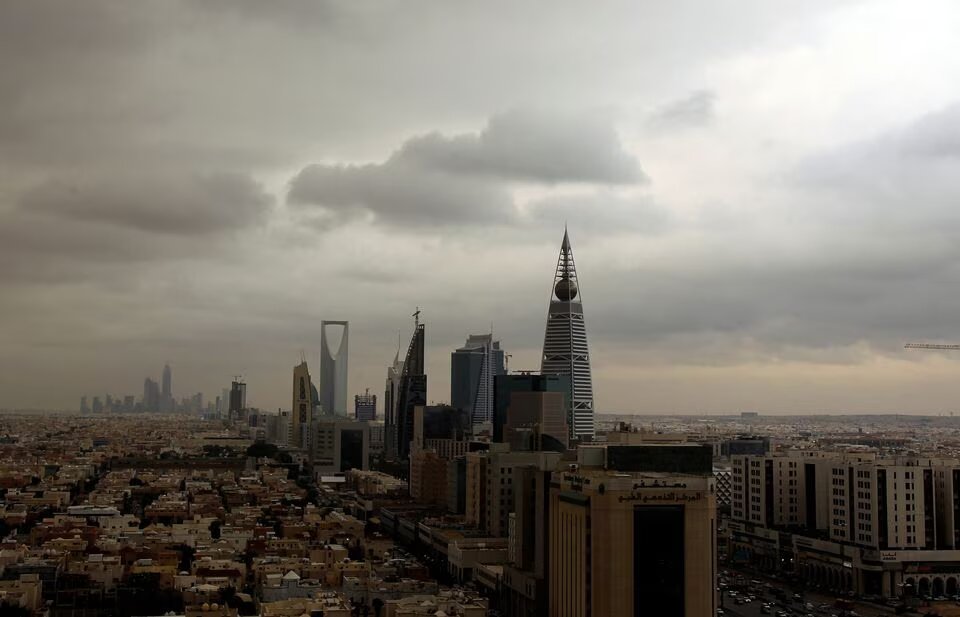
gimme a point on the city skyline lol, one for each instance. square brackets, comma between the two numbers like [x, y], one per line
[718, 166]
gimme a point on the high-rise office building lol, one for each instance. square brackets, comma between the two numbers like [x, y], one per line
[565, 350]
[627, 536]
[472, 371]
[97, 405]
[151, 395]
[333, 369]
[505, 386]
[302, 406]
[391, 390]
[166, 389]
[167, 402]
[365, 406]
[83, 405]
[536, 421]
[412, 391]
[238, 399]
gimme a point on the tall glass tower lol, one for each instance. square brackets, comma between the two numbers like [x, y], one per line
[472, 370]
[565, 349]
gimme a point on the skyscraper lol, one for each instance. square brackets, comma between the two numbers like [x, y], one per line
[151, 395]
[303, 403]
[166, 392]
[238, 399]
[391, 390]
[333, 370]
[472, 371]
[565, 350]
[412, 391]
[365, 406]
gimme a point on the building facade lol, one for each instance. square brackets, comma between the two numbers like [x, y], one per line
[340, 444]
[850, 520]
[639, 543]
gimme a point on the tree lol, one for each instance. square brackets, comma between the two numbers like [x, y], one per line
[262, 449]
[215, 529]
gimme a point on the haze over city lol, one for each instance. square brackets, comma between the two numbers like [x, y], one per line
[761, 196]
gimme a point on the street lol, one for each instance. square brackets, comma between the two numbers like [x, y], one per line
[752, 609]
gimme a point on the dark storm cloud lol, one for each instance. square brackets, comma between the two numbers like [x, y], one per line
[191, 204]
[697, 109]
[434, 179]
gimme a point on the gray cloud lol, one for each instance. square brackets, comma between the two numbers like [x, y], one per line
[399, 193]
[102, 284]
[441, 180]
[695, 110]
[533, 146]
[185, 204]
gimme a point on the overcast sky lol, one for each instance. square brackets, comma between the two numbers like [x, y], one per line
[763, 197]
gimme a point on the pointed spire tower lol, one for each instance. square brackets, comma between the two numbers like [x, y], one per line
[565, 349]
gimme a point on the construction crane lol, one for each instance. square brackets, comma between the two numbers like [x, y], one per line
[932, 346]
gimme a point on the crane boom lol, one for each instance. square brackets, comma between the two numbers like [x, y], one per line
[931, 346]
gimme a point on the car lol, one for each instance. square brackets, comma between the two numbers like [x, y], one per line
[783, 614]
[808, 606]
[940, 599]
[720, 612]
[764, 610]
[738, 601]
[797, 597]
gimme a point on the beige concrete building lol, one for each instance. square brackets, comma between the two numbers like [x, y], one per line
[638, 543]
[490, 485]
[855, 521]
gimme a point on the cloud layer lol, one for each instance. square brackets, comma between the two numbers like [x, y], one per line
[438, 180]
[762, 198]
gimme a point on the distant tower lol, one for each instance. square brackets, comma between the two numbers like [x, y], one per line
[166, 392]
[472, 370]
[151, 395]
[565, 349]
[333, 371]
[303, 404]
[238, 399]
